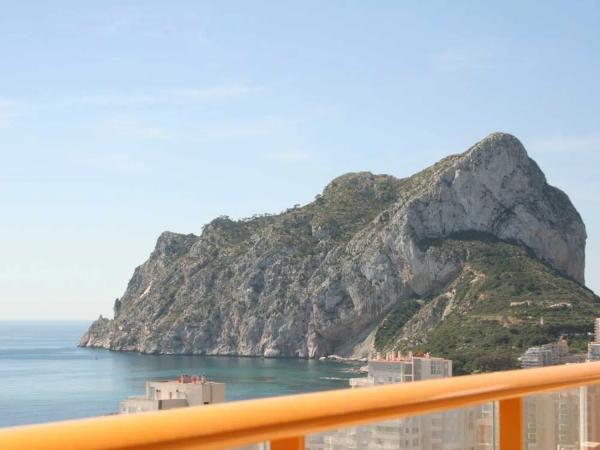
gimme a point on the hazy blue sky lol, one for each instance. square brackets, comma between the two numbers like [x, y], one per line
[119, 120]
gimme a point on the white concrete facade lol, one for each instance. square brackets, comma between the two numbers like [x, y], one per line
[464, 429]
[186, 391]
[545, 355]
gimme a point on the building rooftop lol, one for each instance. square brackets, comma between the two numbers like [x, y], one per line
[400, 357]
[187, 390]
[187, 379]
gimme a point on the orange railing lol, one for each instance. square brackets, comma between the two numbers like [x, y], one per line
[284, 421]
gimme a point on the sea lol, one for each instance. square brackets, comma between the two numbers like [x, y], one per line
[45, 377]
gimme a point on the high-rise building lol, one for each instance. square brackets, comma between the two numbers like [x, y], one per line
[593, 353]
[397, 368]
[536, 357]
[590, 415]
[470, 428]
[590, 399]
[559, 412]
[571, 417]
[545, 355]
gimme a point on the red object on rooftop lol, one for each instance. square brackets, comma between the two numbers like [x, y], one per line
[194, 379]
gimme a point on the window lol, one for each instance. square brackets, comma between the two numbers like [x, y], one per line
[436, 367]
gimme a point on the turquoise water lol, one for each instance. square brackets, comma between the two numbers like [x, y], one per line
[45, 377]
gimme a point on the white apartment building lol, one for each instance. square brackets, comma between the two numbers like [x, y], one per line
[558, 412]
[545, 355]
[466, 429]
[185, 391]
[593, 353]
[397, 368]
[594, 346]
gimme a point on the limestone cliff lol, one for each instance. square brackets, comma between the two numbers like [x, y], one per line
[321, 278]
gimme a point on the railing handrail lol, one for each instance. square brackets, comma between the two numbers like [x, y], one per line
[245, 422]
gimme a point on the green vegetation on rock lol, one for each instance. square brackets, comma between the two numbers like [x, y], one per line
[502, 302]
[391, 328]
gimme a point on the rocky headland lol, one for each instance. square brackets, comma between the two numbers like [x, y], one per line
[460, 259]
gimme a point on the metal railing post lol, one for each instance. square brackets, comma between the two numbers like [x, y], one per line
[511, 424]
[294, 443]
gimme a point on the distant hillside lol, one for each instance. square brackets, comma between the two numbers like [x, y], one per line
[432, 262]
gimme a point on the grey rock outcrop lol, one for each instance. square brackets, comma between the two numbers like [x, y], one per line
[318, 279]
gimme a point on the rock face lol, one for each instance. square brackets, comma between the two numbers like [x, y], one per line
[319, 279]
[492, 310]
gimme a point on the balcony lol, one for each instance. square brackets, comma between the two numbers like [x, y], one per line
[535, 409]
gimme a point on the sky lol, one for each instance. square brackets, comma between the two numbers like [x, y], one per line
[119, 120]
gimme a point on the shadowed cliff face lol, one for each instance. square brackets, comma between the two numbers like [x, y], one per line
[319, 279]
